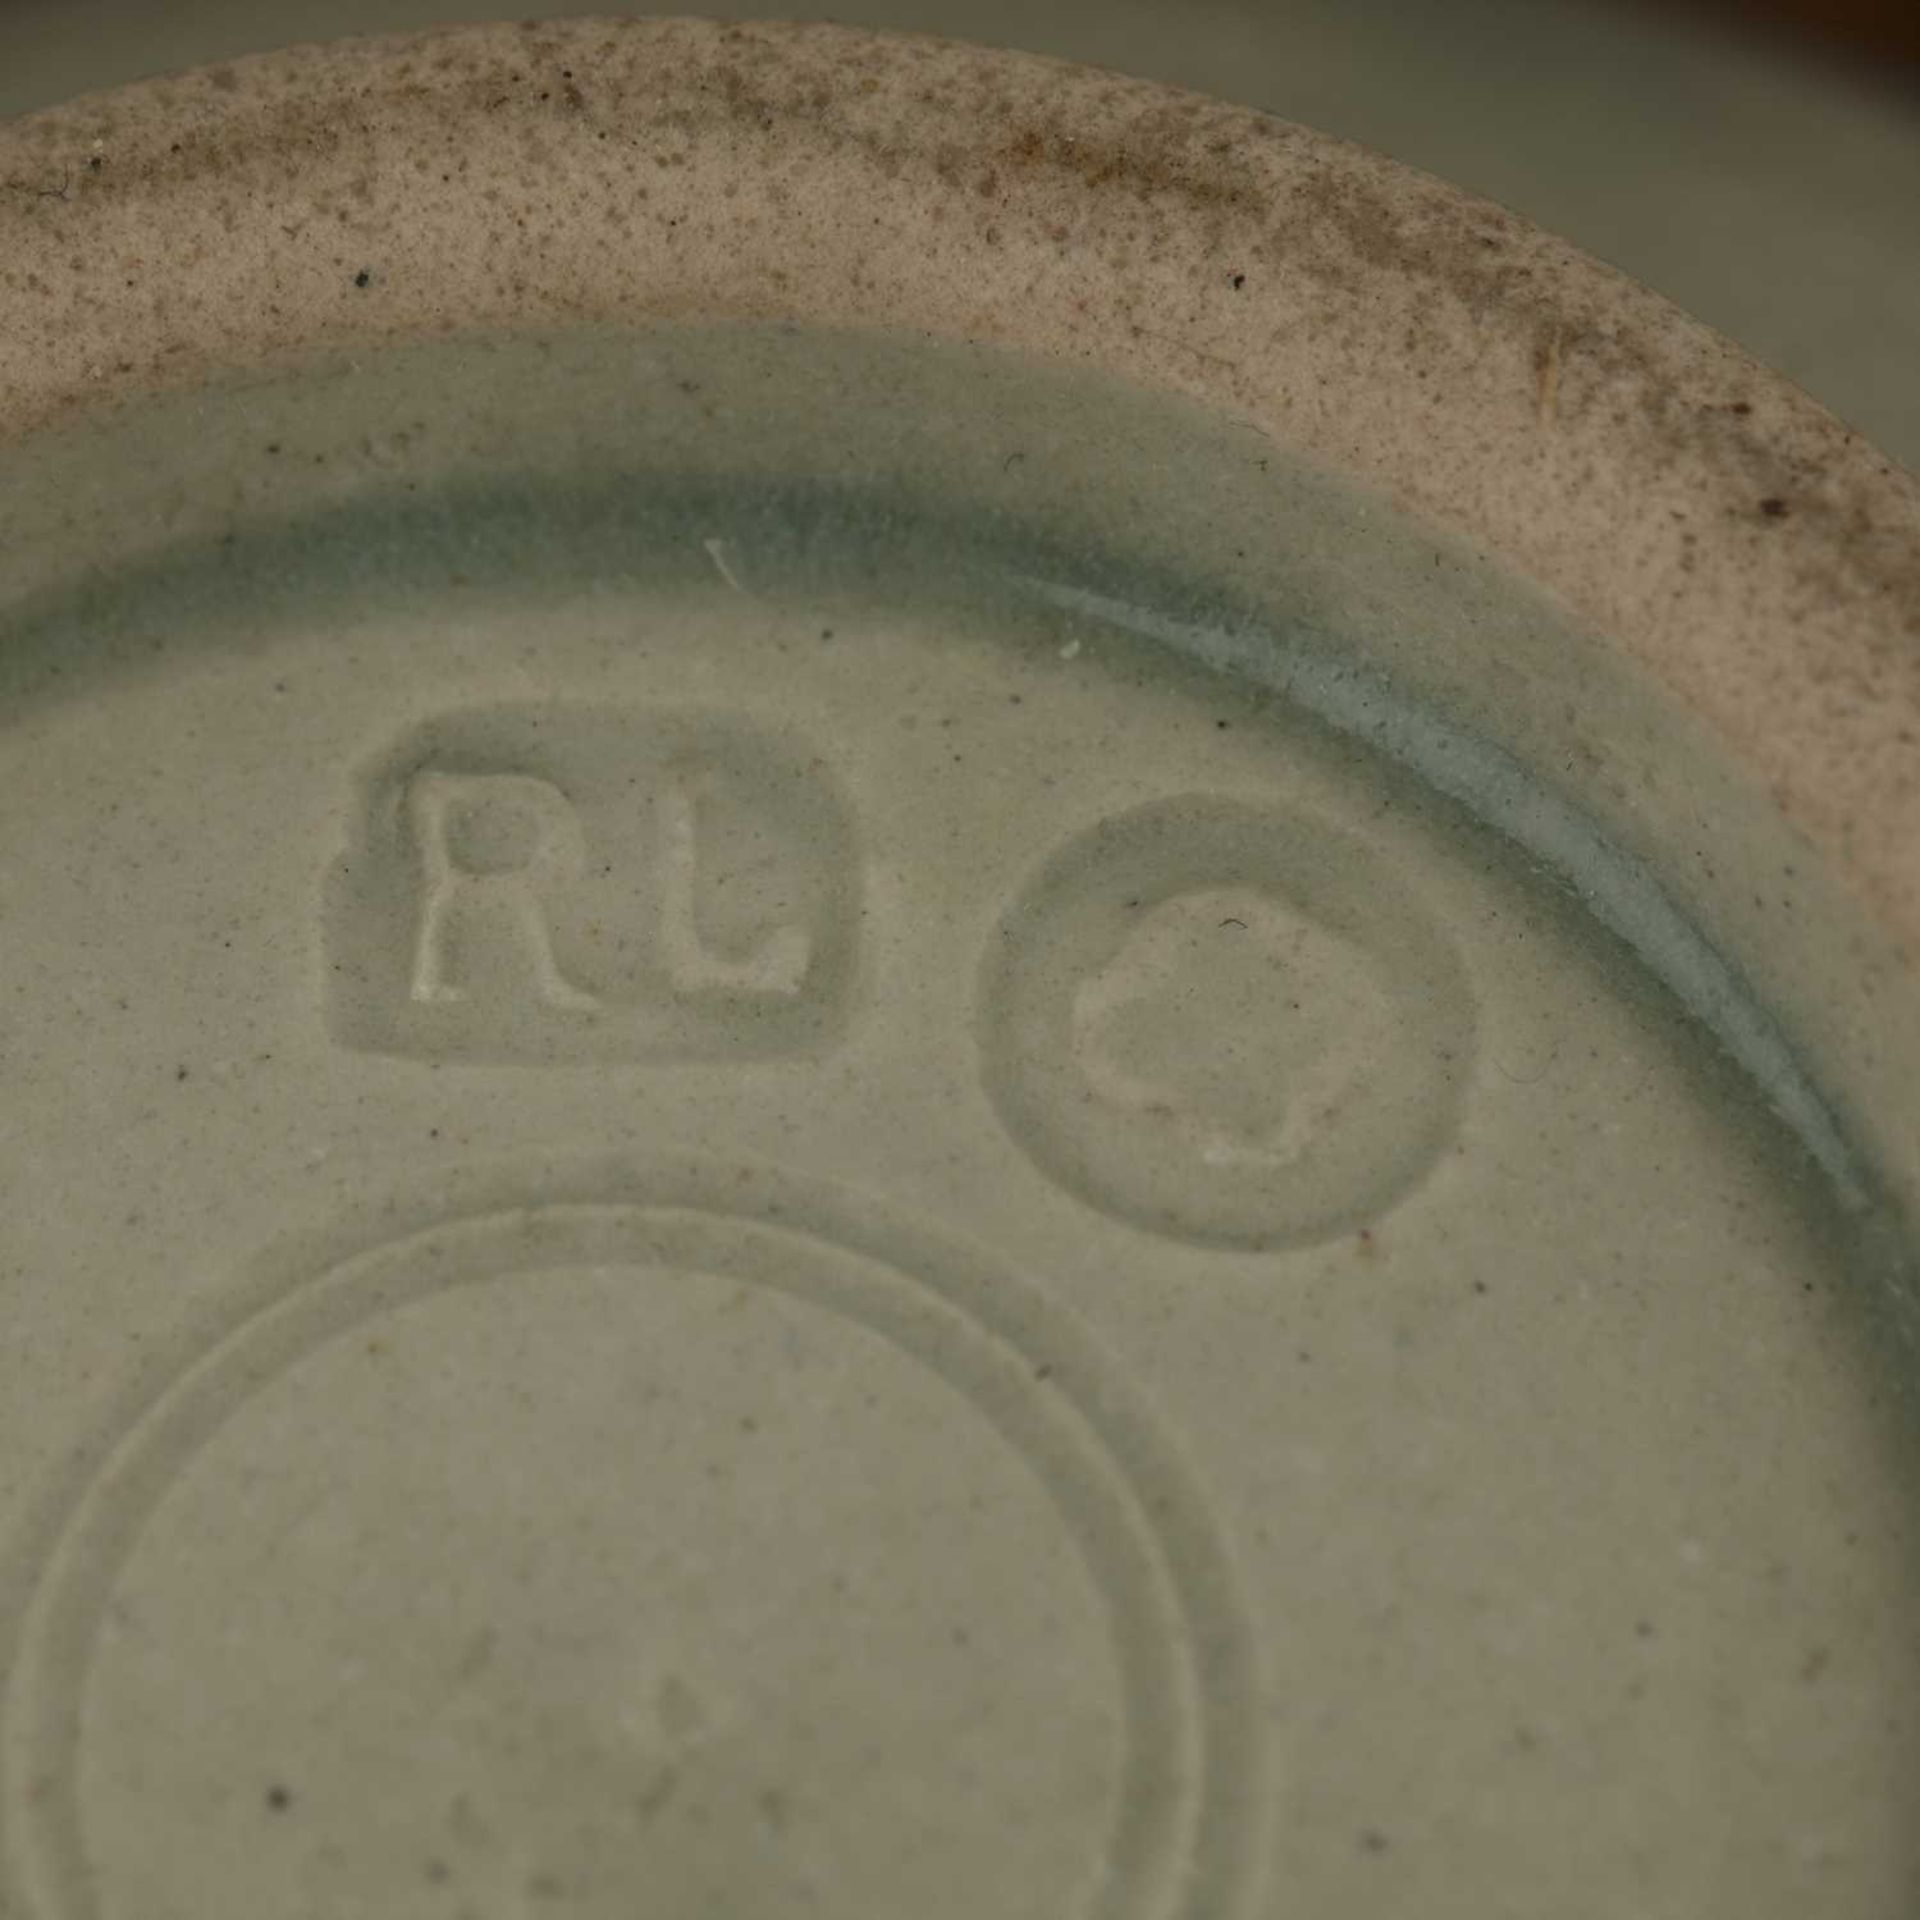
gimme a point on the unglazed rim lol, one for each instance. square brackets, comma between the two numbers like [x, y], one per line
[1688, 505]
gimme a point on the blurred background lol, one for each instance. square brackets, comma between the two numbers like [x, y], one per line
[1757, 161]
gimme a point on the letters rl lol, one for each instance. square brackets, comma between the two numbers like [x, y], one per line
[554, 886]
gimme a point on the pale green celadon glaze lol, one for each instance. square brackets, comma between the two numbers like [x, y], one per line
[800, 1120]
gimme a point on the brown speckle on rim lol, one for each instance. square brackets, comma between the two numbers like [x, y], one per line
[1438, 334]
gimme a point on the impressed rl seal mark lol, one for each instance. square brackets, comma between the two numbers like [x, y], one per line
[551, 884]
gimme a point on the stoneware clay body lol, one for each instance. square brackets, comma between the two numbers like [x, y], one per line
[928, 988]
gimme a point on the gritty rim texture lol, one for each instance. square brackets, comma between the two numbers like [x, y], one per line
[1692, 507]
